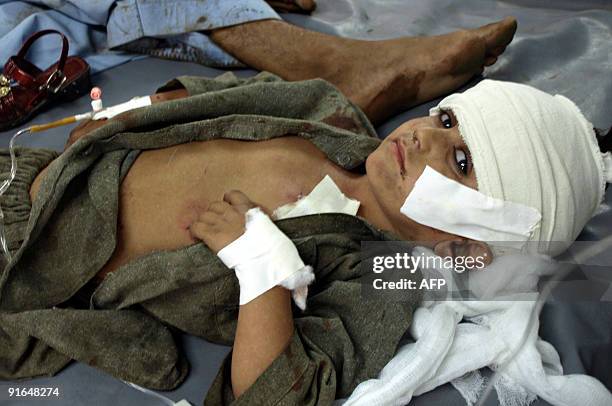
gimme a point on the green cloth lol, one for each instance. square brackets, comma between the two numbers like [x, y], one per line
[128, 329]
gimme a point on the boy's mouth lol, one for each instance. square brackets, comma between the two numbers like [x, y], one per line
[399, 154]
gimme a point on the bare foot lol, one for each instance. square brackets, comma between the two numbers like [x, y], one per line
[385, 77]
[293, 6]
[381, 77]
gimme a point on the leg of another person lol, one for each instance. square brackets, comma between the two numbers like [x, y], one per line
[382, 77]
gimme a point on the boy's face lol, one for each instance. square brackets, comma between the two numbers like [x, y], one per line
[401, 158]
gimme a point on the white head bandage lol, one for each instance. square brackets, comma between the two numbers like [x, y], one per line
[538, 150]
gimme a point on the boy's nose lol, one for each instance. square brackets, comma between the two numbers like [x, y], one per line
[431, 140]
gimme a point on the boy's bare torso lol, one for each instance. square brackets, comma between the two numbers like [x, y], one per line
[166, 189]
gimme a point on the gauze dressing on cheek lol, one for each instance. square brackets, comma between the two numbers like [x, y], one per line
[263, 257]
[442, 203]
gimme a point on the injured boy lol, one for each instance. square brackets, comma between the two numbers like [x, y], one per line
[170, 218]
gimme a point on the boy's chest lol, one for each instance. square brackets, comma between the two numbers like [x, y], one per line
[166, 189]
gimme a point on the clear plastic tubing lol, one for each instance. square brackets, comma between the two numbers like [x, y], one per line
[3, 189]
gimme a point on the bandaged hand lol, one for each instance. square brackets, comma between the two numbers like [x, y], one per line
[223, 221]
[247, 241]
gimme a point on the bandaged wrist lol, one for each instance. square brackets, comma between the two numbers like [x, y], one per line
[264, 257]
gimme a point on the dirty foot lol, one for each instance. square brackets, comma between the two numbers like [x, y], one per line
[385, 77]
[381, 77]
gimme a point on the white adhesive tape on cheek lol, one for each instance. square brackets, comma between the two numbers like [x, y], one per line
[442, 203]
[264, 257]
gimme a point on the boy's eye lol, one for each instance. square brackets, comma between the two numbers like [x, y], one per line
[446, 119]
[463, 161]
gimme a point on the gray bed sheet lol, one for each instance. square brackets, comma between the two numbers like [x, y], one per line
[561, 46]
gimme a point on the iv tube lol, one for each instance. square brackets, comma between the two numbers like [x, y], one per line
[5, 186]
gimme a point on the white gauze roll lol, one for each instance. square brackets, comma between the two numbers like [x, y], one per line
[264, 257]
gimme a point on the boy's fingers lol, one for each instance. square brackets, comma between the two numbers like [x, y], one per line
[199, 230]
[209, 218]
[238, 199]
[218, 207]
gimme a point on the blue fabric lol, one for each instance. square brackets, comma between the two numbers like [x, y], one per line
[96, 28]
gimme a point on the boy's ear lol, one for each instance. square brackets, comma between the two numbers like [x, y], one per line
[463, 247]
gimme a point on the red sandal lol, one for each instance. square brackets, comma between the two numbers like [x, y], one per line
[25, 89]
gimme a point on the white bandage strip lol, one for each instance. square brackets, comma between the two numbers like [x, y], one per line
[135, 103]
[263, 257]
[442, 203]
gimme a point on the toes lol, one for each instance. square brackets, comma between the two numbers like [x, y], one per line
[497, 51]
[490, 60]
[498, 35]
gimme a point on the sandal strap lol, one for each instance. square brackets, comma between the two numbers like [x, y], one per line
[14, 68]
[34, 37]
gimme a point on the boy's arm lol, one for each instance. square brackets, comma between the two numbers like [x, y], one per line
[88, 126]
[265, 324]
[265, 327]
[339, 341]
